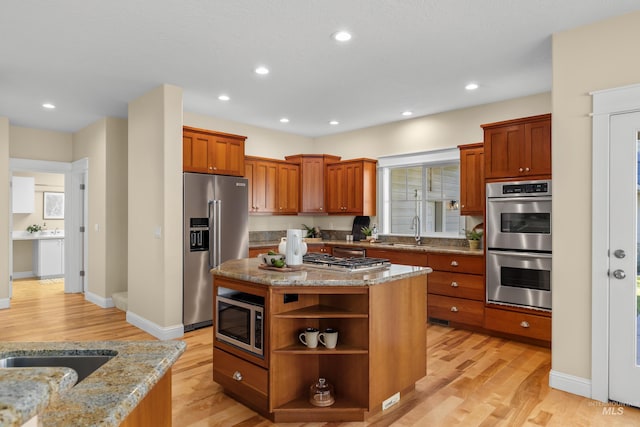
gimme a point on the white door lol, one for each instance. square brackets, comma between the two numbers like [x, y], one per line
[624, 357]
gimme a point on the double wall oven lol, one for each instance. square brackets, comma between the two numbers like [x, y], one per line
[518, 240]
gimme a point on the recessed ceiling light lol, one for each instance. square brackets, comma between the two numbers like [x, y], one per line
[471, 86]
[334, 122]
[48, 106]
[224, 97]
[262, 70]
[407, 113]
[284, 120]
[341, 36]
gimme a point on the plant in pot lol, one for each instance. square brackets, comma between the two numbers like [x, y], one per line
[313, 234]
[473, 236]
[367, 232]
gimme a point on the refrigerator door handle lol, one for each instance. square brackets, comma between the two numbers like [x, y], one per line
[218, 231]
[212, 232]
[214, 235]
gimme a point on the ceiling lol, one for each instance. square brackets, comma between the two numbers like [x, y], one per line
[91, 57]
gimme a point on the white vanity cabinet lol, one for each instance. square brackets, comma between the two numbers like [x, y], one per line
[48, 258]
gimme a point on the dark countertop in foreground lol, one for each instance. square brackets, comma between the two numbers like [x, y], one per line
[247, 269]
[462, 250]
[104, 398]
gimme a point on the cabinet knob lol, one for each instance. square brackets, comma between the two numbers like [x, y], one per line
[237, 376]
[520, 170]
[462, 206]
[280, 208]
[524, 324]
[526, 169]
[454, 309]
[320, 208]
[454, 284]
[210, 167]
[454, 263]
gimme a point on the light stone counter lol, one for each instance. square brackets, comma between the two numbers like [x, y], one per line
[105, 398]
[247, 270]
[401, 247]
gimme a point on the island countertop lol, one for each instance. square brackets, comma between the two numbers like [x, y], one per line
[104, 398]
[247, 269]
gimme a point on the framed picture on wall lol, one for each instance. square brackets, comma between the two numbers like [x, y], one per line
[53, 205]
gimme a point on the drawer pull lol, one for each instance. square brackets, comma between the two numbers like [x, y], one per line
[454, 263]
[454, 284]
[454, 309]
[237, 376]
[524, 324]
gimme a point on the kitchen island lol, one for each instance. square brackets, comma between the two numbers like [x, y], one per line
[118, 393]
[380, 316]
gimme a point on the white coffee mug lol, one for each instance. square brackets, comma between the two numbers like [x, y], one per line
[309, 337]
[328, 338]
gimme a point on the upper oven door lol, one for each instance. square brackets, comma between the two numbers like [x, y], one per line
[521, 223]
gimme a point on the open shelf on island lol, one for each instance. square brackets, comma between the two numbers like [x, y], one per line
[341, 410]
[340, 349]
[321, 312]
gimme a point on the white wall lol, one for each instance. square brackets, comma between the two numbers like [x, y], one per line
[155, 206]
[5, 237]
[593, 57]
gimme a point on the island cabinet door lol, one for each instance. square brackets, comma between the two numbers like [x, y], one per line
[155, 407]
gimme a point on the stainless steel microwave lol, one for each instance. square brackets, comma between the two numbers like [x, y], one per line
[239, 319]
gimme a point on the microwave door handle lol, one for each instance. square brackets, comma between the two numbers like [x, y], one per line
[519, 199]
[521, 254]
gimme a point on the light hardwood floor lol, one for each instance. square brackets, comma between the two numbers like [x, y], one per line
[472, 379]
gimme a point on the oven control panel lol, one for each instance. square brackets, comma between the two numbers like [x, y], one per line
[519, 189]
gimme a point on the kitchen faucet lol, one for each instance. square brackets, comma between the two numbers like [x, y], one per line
[415, 224]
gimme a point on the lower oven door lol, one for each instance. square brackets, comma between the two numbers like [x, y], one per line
[519, 278]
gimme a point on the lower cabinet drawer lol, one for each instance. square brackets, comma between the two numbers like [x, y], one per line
[455, 309]
[522, 324]
[245, 381]
[456, 285]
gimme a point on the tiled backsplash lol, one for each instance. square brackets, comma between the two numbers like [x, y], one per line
[257, 237]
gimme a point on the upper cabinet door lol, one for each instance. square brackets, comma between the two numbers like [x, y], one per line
[194, 152]
[351, 187]
[472, 179]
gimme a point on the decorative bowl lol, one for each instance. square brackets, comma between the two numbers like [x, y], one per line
[270, 259]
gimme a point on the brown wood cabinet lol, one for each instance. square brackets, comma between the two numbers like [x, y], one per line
[218, 153]
[273, 186]
[263, 180]
[519, 148]
[535, 326]
[400, 257]
[155, 407]
[381, 349]
[312, 180]
[456, 289]
[351, 187]
[472, 198]
[288, 184]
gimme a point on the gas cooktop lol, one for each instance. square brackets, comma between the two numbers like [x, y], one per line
[331, 262]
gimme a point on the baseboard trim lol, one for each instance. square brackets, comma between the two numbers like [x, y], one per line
[98, 300]
[5, 303]
[23, 275]
[161, 332]
[570, 383]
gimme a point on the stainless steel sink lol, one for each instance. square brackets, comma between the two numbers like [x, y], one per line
[400, 245]
[83, 364]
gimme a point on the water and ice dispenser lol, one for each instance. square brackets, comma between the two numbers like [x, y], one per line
[199, 234]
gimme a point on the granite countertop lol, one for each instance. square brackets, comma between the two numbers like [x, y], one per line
[401, 247]
[105, 398]
[247, 269]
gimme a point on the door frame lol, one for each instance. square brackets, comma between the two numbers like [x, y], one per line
[606, 103]
[71, 221]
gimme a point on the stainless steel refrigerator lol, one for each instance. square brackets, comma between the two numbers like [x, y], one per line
[216, 229]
